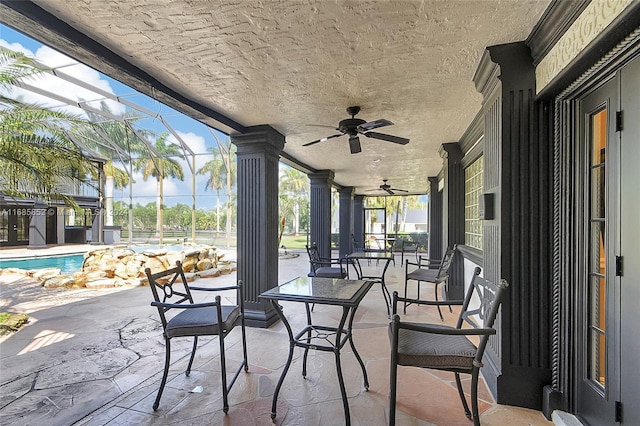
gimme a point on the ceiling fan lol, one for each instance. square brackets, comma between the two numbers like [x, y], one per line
[387, 188]
[355, 126]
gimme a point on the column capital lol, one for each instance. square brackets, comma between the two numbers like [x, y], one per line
[451, 152]
[346, 190]
[257, 138]
[322, 176]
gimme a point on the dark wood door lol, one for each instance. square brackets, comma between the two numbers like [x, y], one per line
[608, 348]
[597, 371]
[630, 244]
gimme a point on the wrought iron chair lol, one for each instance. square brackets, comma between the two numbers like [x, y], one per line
[429, 270]
[440, 347]
[408, 247]
[357, 245]
[323, 266]
[181, 317]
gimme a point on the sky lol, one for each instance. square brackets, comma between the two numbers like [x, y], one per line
[195, 134]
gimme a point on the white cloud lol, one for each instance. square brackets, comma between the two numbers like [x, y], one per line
[60, 87]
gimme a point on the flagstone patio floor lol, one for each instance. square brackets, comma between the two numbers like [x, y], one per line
[94, 357]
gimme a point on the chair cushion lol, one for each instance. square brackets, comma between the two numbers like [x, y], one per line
[201, 321]
[438, 351]
[327, 272]
[430, 275]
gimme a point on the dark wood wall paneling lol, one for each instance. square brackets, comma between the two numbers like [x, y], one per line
[491, 228]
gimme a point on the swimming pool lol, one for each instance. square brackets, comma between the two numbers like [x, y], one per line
[67, 263]
[73, 262]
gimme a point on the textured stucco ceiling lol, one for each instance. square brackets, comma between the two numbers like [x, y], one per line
[296, 65]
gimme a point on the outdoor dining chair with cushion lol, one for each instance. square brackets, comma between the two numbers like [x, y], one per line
[440, 347]
[326, 267]
[429, 270]
[408, 247]
[181, 317]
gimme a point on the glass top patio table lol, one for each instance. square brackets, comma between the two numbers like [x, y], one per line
[355, 259]
[373, 255]
[323, 291]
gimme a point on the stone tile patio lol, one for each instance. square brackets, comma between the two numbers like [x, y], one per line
[94, 357]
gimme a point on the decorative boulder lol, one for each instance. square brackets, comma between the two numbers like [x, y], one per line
[204, 264]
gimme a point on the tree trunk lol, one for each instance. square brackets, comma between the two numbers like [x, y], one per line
[217, 211]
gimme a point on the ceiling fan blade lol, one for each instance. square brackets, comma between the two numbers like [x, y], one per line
[323, 139]
[401, 190]
[322, 125]
[354, 145]
[390, 191]
[374, 125]
[388, 138]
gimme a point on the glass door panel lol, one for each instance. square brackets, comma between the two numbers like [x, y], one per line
[597, 291]
[4, 226]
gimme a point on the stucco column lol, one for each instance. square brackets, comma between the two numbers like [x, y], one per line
[346, 219]
[358, 218]
[321, 183]
[37, 225]
[435, 220]
[257, 159]
[453, 213]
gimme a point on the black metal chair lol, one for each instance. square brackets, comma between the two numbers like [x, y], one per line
[408, 247]
[172, 293]
[440, 347]
[357, 245]
[323, 266]
[429, 270]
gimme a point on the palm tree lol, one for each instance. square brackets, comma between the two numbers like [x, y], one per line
[125, 140]
[294, 184]
[160, 166]
[222, 170]
[217, 172]
[38, 158]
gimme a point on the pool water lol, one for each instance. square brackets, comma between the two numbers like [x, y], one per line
[67, 263]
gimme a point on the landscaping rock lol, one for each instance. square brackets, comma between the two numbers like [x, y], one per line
[58, 281]
[204, 264]
[209, 273]
[121, 266]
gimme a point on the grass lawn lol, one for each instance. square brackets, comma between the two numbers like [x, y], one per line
[294, 241]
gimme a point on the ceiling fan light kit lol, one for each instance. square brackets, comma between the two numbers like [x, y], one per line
[354, 144]
[355, 126]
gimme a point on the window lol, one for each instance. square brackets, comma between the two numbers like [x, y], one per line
[472, 191]
[597, 327]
